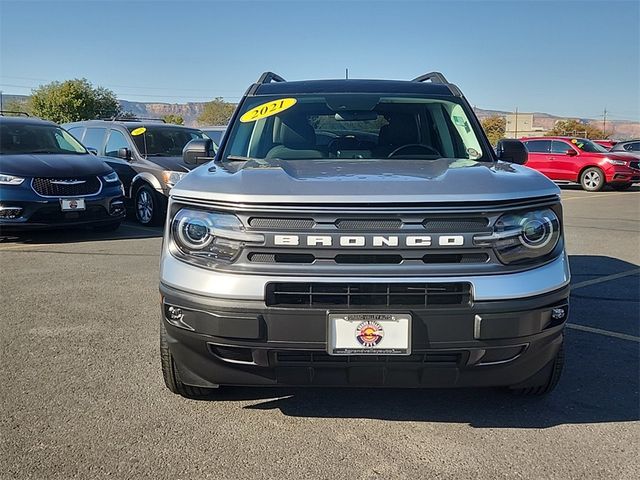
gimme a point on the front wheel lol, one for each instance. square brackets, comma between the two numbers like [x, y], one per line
[172, 376]
[148, 206]
[592, 179]
[550, 378]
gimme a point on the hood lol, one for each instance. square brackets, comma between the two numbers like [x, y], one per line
[53, 165]
[171, 163]
[364, 181]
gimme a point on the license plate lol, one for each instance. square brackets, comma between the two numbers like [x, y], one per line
[369, 333]
[72, 204]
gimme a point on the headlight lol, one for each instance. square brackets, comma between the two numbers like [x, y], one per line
[10, 179]
[171, 178]
[208, 238]
[621, 163]
[519, 237]
[111, 177]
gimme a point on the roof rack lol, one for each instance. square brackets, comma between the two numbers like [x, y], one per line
[134, 119]
[13, 112]
[437, 77]
[268, 77]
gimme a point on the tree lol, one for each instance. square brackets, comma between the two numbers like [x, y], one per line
[576, 128]
[72, 101]
[175, 119]
[216, 112]
[494, 126]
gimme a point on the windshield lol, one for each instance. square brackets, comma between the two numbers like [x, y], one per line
[588, 146]
[161, 141]
[353, 126]
[25, 138]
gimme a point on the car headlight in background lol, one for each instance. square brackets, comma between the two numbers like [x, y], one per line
[615, 162]
[521, 237]
[111, 177]
[10, 179]
[208, 238]
[171, 178]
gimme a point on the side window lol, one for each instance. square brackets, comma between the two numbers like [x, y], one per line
[560, 147]
[76, 132]
[116, 141]
[633, 147]
[538, 146]
[94, 137]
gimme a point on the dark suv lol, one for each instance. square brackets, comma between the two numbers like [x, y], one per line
[146, 154]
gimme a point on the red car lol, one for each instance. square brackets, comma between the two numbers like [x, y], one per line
[567, 159]
[608, 144]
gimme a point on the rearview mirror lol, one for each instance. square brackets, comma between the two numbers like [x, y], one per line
[124, 153]
[571, 152]
[513, 151]
[198, 151]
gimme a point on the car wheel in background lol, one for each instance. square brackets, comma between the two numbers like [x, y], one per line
[147, 206]
[592, 179]
[621, 186]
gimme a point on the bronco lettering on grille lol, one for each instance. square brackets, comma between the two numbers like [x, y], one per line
[374, 241]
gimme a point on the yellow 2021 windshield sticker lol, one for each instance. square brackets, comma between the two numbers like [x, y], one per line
[138, 131]
[267, 109]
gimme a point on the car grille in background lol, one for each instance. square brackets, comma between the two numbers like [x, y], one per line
[66, 187]
[308, 357]
[51, 215]
[362, 295]
[635, 165]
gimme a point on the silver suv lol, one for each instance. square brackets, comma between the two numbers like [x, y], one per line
[361, 233]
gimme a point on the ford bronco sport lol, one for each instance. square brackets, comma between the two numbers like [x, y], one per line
[361, 233]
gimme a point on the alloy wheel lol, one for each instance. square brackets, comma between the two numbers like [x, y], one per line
[592, 179]
[144, 206]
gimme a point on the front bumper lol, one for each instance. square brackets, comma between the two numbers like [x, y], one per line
[622, 174]
[36, 212]
[243, 342]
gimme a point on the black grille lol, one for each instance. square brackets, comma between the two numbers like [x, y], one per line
[282, 223]
[456, 225]
[369, 225]
[50, 188]
[52, 215]
[368, 259]
[281, 257]
[635, 165]
[308, 357]
[362, 295]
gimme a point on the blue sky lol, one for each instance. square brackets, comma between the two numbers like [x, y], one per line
[565, 58]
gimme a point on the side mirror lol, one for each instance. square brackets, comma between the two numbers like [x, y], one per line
[198, 151]
[124, 153]
[512, 151]
[571, 152]
[93, 151]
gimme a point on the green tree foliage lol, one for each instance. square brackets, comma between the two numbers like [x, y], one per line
[72, 101]
[175, 119]
[494, 126]
[576, 128]
[216, 112]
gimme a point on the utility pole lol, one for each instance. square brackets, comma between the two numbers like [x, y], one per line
[604, 122]
[346, 74]
[1, 101]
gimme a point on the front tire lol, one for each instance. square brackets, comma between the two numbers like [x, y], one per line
[172, 376]
[592, 179]
[148, 206]
[551, 376]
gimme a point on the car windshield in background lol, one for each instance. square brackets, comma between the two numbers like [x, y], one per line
[588, 146]
[162, 141]
[26, 138]
[353, 126]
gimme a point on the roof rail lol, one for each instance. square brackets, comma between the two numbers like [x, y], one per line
[14, 113]
[268, 77]
[434, 77]
[133, 119]
[437, 77]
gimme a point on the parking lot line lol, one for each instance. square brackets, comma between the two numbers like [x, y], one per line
[606, 278]
[606, 333]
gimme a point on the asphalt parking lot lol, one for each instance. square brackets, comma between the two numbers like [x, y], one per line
[82, 393]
